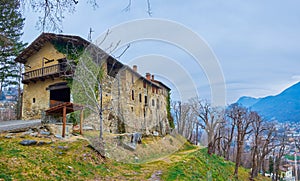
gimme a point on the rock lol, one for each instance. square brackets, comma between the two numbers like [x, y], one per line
[27, 132]
[129, 146]
[155, 133]
[45, 133]
[28, 142]
[9, 135]
[63, 147]
[34, 134]
[40, 143]
[136, 138]
[58, 136]
[136, 159]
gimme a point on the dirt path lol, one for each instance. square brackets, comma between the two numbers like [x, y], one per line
[157, 166]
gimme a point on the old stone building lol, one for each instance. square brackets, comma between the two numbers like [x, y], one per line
[132, 102]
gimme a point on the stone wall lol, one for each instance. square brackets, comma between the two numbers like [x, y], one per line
[130, 102]
[126, 110]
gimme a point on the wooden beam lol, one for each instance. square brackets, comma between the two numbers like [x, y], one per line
[64, 121]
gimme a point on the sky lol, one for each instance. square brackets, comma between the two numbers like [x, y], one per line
[256, 43]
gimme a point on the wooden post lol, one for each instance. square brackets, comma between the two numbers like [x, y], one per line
[81, 120]
[64, 121]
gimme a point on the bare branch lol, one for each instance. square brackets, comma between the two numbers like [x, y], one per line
[123, 52]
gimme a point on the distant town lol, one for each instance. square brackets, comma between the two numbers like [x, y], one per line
[8, 103]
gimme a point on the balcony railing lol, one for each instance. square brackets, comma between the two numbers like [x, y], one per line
[52, 71]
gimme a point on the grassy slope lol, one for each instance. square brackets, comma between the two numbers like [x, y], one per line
[79, 162]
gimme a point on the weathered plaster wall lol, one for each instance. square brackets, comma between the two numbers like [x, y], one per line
[35, 96]
[48, 51]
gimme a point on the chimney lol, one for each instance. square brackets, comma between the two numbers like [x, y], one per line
[134, 67]
[152, 77]
[148, 75]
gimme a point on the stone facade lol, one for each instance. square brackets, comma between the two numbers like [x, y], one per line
[131, 102]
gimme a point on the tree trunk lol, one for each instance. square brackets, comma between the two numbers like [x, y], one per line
[239, 151]
[100, 113]
[254, 171]
[210, 148]
[197, 134]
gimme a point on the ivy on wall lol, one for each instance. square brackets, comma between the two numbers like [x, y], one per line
[169, 116]
[72, 51]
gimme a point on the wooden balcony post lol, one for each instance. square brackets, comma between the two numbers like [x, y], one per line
[64, 121]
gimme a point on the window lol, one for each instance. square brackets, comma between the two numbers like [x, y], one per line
[33, 100]
[153, 102]
[140, 97]
[146, 101]
[145, 86]
[132, 94]
[131, 109]
[153, 89]
[157, 104]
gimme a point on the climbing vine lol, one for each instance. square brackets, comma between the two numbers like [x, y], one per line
[72, 53]
[169, 116]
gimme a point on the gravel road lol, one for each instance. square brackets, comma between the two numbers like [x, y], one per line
[16, 125]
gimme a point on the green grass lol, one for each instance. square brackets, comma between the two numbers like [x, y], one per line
[201, 166]
[80, 162]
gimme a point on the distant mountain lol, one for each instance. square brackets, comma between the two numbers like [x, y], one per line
[248, 101]
[282, 107]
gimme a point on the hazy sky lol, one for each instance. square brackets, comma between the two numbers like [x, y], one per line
[257, 43]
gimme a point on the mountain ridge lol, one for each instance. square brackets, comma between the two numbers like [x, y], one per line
[282, 107]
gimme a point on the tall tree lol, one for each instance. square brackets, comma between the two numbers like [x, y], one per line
[210, 118]
[11, 25]
[185, 119]
[242, 119]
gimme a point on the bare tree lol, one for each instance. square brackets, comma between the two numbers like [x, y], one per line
[257, 126]
[242, 120]
[280, 151]
[185, 119]
[227, 131]
[87, 85]
[210, 119]
[53, 11]
[263, 143]
[266, 145]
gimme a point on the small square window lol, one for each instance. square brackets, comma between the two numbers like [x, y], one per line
[132, 94]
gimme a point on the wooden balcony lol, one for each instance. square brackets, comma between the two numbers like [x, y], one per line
[49, 72]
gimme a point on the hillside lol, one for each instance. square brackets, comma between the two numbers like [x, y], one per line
[282, 107]
[75, 160]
